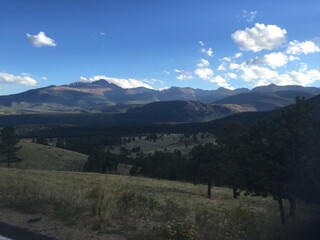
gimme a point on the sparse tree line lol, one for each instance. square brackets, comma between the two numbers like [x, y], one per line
[277, 157]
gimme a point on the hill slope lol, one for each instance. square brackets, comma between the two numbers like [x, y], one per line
[41, 157]
[181, 111]
[265, 101]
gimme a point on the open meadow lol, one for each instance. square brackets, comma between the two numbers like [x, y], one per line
[150, 143]
[145, 208]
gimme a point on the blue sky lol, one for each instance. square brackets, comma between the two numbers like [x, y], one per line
[195, 43]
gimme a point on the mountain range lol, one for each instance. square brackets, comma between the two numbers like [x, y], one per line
[116, 105]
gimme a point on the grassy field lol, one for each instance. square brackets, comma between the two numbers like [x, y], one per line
[165, 142]
[37, 156]
[142, 208]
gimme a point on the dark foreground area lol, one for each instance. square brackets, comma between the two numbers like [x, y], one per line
[16, 233]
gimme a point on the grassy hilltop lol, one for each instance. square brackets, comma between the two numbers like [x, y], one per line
[37, 156]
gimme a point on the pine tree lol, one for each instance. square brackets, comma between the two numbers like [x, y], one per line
[9, 140]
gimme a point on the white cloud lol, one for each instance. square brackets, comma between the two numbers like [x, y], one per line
[262, 76]
[226, 59]
[220, 81]
[121, 82]
[299, 78]
[204, 73]
[232, 75]
[249, 16]
[10, 78]
[44, 78]
[234, 66]
[260, 37]
[253, 72]
[102, 33]
[272, 60]
[41, 40]
[209, 51]
[238, 55]
[203, 63]
[183, 75]
[221, 67]
[306, 47]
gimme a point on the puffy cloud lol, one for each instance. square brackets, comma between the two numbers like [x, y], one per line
[220, 81]
[306, 47]
[238, 55]
[203, 63]
[298, 77]
[183, 75]
[121, 82]
[260, 37]
[41, 40]
[293, 58]
[232, 75]
[249, 16]
[222, 67]
[253, 72]
[273, 60]
[262, 76]
[209, 51]
[234, 66]
[24, 79]
[204, 73]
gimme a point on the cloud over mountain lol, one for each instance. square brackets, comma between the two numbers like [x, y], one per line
[121, 82]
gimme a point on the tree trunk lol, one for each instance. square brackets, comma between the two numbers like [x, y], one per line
[209, 188]
[235, 192]
[281, 208]
[293, 203]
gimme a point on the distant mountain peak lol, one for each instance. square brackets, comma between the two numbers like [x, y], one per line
[101, 83]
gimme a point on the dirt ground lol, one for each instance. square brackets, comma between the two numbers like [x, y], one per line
[51, 227]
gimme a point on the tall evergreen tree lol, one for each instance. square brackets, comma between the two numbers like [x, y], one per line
[9, 140]
[280, 150]
[233, 142]
[207, 162]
